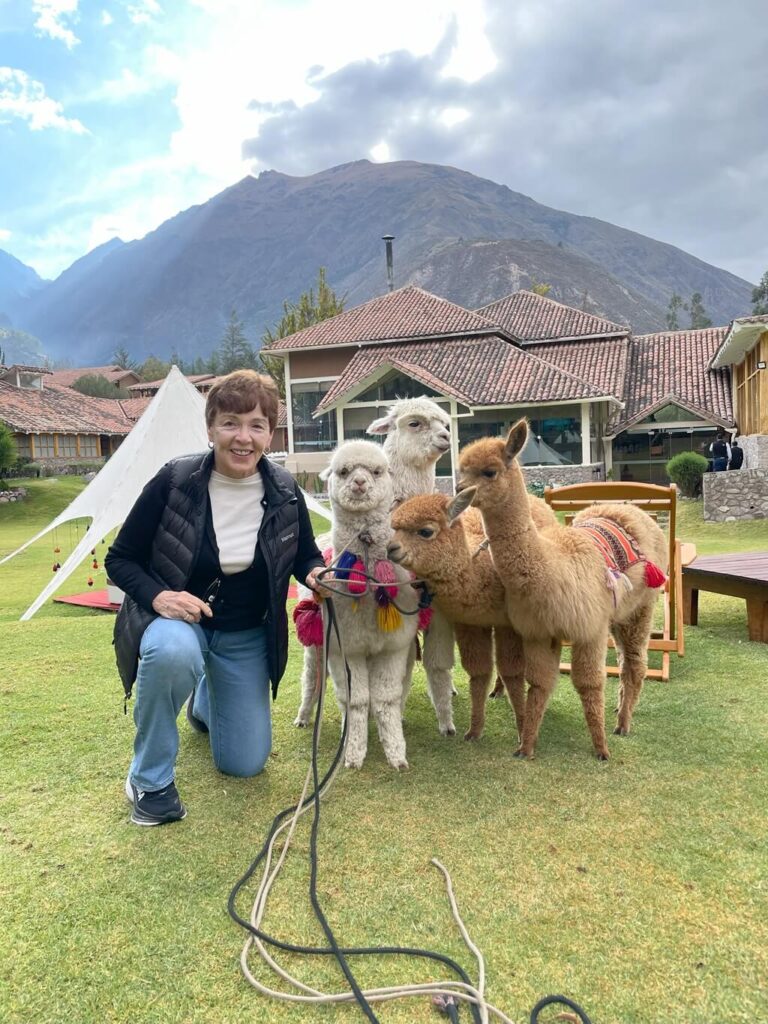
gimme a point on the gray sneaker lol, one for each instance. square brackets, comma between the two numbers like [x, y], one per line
[156, 807]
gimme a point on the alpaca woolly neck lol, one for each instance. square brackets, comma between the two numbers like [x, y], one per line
[347, 525]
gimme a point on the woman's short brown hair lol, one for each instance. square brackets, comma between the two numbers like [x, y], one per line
[242, 391]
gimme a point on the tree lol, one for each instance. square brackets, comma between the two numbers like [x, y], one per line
[310, 309]
[699, 318]
[675, 305]
[98, 387]
[760, 297]
[122, 359]
[153, 369]
[235, 351]
[539, 287]
[9, 453]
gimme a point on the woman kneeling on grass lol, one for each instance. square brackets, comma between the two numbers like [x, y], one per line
[205, 557]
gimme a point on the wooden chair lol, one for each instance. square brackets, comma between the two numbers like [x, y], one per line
[653, 499]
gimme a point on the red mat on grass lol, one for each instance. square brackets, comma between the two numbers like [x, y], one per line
[99, 599]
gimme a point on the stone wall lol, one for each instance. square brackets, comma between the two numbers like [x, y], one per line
[558, 476]
[755, 448]
[735, 494]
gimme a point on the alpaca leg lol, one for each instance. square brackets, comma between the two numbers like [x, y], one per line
[438, 664]
[632, 642]
[385, 673]
[510, 661]
[353, 706]
[476, 653]
[309, 684]
[588, 675]
[542, 663]
[408, 678]
[498, 687]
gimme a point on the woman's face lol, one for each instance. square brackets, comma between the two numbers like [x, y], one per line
[239, 440]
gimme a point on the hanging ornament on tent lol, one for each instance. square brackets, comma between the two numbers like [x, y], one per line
[90, 581]
[95, 564]
[55, 567]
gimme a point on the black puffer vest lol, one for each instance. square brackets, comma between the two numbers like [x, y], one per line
[177, 544]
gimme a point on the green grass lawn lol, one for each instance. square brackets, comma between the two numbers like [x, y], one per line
[637, 887]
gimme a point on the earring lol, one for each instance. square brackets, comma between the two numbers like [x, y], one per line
[267, 451]
[210, 444]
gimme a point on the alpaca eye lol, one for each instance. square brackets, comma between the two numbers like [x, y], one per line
[377, 472]
[490, 473]
[415, 424]
[426, 532]
[344, 472]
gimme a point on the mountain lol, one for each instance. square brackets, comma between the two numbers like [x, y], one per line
[262, 240]
[17, 283]
[19, 347]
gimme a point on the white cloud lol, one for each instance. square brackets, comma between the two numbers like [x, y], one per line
[52, 18]
[106, 18]
[5, 234]
[143, 11]
[380, 153]
[25, 98]
[453, 115]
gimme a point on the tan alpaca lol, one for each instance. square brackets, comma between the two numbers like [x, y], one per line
[556, 586]
[447, 552]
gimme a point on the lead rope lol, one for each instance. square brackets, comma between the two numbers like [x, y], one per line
[445, 994]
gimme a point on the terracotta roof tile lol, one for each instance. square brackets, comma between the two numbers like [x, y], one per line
[155, 385]
[404, 314]
[531, 317]
[603, 362]
[672, 367]
[478, 371]
[134, 407]
[59, 409]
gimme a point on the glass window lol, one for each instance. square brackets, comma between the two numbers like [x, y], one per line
[44, 446]
[356, 423]
[23, 446]
[671, 414]
[310, 435]
[67, 446]
[555, 432]
[88, 448]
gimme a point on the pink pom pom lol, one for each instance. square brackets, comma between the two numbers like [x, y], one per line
[425, 617]
[385, 573]
[358, 584]
[654, 577]
[308, 620]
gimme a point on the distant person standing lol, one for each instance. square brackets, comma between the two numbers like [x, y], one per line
[737, 455]
[721, 451]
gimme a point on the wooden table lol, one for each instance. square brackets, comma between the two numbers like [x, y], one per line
[739, 575]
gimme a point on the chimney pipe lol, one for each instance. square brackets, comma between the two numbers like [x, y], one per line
[388, 240]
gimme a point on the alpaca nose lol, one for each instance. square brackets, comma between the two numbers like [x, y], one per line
[394, 551]
[360, 483]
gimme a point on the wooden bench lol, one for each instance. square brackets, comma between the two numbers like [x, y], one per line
[739, 575]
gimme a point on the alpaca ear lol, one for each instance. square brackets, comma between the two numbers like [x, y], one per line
[324, 473]
[516, 438]
[382, 426]
[460, 504]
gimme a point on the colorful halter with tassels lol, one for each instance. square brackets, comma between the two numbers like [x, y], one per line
[619, 551]
[351, 569]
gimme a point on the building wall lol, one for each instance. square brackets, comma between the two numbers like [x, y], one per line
[320, 363]
[755, 449]
[734, 495]
[559, 476]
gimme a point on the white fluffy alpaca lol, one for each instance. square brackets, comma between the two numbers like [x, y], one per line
[417, 434]
[360, 489]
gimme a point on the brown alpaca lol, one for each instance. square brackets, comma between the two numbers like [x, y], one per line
[448, 553]
[556, 585]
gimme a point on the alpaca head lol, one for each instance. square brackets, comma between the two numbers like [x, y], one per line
[358, 477]
[417, 430]
[425, 536]
[489, 466]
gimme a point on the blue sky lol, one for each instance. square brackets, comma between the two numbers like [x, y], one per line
[116, 115]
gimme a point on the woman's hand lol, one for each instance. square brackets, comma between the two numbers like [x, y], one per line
[175, 604]
[311, 580]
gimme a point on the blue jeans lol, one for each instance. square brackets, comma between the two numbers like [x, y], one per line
[718, 465]
[230, 675]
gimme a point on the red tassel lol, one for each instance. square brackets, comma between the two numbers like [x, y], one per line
[308, 620]
[654, 577]
[385, 573]
[425, 617]
[357, 584]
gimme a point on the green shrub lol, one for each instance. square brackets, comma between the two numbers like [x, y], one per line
[537, 489]
[686, 470]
